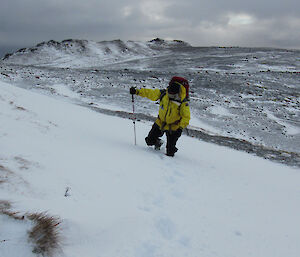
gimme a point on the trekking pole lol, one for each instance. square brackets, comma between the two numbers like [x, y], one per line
[133, 119]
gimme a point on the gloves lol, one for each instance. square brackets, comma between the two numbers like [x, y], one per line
[176, 133]
[179, 132]
[133, 90]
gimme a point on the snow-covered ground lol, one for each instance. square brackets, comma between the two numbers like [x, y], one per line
[117, 199]
[250, 94]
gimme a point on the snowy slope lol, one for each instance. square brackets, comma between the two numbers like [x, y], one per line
[242, 93]
[125, 200]
[86, 53]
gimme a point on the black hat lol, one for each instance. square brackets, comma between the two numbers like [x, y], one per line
[174, 88]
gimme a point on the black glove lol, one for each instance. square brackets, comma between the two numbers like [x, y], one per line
[176, 133]
[179, 132]
[133, 90]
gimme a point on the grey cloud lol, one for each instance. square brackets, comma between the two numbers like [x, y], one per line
[214, 22]
[213, 8]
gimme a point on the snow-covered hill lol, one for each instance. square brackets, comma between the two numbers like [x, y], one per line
[86, 53]
[117, 199]
[247, 94]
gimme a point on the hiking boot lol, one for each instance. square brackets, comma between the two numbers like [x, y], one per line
[172, 153]
[169, 154]
[158, 144]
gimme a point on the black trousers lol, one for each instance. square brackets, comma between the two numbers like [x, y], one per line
[172, 136]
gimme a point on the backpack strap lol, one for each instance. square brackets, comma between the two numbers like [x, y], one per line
[163, 92]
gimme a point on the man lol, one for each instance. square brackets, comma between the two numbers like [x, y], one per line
[173, 116]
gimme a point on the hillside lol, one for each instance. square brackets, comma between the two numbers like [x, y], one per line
[86, 53]
[248, 94]
[113, 198]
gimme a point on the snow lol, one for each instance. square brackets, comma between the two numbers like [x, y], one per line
[63, 90]
[83, 53]
[229, 87]
[219, 110]
[15, 235]
[127, 200]
[290, 129]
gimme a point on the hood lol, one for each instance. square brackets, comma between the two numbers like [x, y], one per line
[181, 95]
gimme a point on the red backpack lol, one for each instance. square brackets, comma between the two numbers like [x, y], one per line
[183, 82]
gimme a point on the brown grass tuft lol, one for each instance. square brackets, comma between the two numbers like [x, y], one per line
[5, 209]
[45, 234]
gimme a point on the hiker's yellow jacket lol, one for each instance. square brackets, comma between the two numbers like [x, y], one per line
[172, 114]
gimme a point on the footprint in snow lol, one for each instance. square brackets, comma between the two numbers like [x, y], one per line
[166, 228]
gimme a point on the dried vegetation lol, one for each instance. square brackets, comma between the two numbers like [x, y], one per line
[45, 233]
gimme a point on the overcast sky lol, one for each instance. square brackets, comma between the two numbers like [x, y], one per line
[270, 23]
